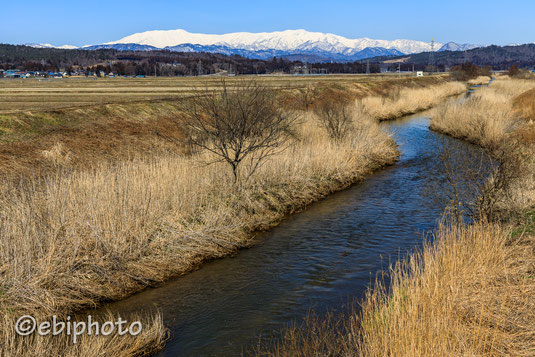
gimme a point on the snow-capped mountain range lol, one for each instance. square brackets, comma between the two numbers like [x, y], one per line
[316, 46]
[48, 45]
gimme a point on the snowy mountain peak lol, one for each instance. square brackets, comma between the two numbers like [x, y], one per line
[288, 40]
[48, 45]
[452, 46]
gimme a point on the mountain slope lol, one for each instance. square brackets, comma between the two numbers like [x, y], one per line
[452, 46]
[498, 57]
[280, 40]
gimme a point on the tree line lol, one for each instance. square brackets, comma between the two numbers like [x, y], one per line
[496, 57]
[160, 63]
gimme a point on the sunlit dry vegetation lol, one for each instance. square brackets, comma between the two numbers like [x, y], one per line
[409, 100]
[479, 80]
[149, 341]
[489, 115]
[141, 221]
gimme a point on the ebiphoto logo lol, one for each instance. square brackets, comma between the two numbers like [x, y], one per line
[27, 325]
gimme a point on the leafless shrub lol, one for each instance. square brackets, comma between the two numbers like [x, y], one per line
[243, 123]
[478, 183]
[335, 116]
[305, 96]
[461, 174]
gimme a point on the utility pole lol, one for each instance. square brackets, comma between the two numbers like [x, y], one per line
[368, 67]
[432, 56]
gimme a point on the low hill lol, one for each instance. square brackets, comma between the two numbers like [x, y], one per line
[499, 57]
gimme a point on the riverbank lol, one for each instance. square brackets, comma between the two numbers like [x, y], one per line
[470, 291]
[407, 101]
[77, 237]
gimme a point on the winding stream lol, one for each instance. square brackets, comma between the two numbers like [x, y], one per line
[318, 259]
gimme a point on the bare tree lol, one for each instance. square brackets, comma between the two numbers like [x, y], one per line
[335, 116]
[239, 124]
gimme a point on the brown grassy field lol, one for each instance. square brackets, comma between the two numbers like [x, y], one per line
[524, 105]
[469, 292]
[51, 94]
[99, 202]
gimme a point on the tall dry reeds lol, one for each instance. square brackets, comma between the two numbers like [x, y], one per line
[466, 294]
[486, 117]
[479, 80]
[409, 100]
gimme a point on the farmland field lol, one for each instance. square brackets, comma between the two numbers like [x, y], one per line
[48, 94]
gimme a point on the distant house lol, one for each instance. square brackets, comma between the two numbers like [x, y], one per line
[13, 73]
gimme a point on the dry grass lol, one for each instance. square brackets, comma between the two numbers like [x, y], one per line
[124, 129]
[524, 105]
[149, 341]
[479, 81]
[467, 294]
[21, 95]
[488, 117]
[101, 233]
[409, 100]
[114, 132]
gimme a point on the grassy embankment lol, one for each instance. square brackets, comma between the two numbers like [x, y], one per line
[409, 100]
[88, 229]
[471, 291]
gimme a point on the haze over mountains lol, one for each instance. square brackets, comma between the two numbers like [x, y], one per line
[296, 44]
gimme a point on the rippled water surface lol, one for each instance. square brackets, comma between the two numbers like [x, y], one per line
[318, 259]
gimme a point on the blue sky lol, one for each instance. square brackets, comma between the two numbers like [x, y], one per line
[81, 23]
